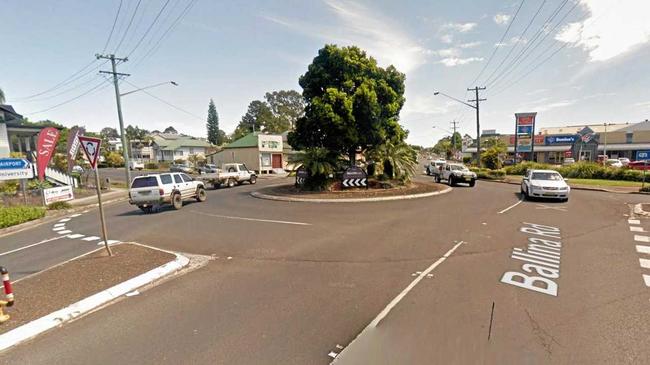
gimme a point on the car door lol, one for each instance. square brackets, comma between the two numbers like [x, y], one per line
[179, 184]
[243, 173]
[188, 188]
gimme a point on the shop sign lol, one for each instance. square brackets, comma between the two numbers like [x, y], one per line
[566, 139]
[642, 155]
[58, 194]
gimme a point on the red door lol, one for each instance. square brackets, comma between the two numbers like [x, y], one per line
[276, 161]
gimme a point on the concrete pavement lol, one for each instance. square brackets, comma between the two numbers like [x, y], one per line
[291, 281]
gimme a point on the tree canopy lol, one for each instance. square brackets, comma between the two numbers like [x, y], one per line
[170, 130]
[277, 113]
[109, 133]
[351, 102]
[134, 133]
[213, 125]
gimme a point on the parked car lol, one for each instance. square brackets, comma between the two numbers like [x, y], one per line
[624, 161]
[455, 173]
[568, 161]
[149, 192]
[208, 169]
[433, 167]
[78, 169]
[181, 168]
[639, 165]
[136, 165]
[544, 184]
[230, 174]
[612, 162]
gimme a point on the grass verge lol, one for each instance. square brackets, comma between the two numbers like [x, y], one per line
[11, 216]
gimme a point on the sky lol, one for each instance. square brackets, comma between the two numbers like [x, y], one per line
[571, 61]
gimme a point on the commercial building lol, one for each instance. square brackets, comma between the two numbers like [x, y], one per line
[581, 142]
[260, 152]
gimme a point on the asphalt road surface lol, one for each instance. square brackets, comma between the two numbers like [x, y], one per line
[408, 282]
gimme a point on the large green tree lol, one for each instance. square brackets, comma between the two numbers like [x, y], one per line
[351, 103]
[213, 125]
[287, 107]
[257, 115]
[109, 133]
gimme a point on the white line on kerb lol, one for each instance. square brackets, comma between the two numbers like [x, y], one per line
[636, 229]
[634, 221]
[512, 206]
[645, 263]
[643, 249]
[415, 282]
[32, 245]
[252, 219]
[639, 238]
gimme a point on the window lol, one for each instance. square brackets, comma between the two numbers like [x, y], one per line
[178, 152]
[191, 150]
[546, 176]
[177, 179]
[144, 182]
[628, 137]
[166, 179]
[186, 178]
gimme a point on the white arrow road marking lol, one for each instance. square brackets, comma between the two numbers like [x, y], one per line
[32, 245]
[643, 249]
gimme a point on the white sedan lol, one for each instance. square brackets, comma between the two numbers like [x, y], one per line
[544, 184]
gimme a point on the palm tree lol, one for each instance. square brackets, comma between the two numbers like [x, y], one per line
[399, 160]
[320, 163]
[2, 96]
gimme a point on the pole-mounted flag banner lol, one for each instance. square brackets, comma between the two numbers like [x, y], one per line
[47, 139]
[73, 146]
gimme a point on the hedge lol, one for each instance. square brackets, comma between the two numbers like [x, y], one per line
[10, 216]
[489, 174]
[580, 170]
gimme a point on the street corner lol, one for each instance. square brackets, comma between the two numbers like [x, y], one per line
[85, 283]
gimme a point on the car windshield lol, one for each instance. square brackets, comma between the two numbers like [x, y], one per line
[144, 182]
[458, 168]
[553, 176]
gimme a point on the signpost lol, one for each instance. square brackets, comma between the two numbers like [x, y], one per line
[524, 133]
[90, 146]
[15, 168]
[354, 177]
[301, 176]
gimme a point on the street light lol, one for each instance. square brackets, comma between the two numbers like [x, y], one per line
[475, 107]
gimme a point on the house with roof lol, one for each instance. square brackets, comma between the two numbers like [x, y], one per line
[170, 147]
[263, 153]
[15, 135]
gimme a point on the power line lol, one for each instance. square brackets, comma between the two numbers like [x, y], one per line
[148, 29]
[62, 92]
[165, 102]
[110, 35]
[517, 43]
[87, 92]
[66, 81]
[500, 42]
[128, 26]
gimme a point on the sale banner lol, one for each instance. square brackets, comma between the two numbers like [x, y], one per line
[47, 139]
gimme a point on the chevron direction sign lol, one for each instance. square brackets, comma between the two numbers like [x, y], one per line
[301, 176]
[355, 177]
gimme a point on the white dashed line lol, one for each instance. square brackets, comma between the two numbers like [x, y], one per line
[636, 229]
[109, 242]
[58, 228]
[639, 238]
[646, 278]
[634, 221]
[64, 220]
[64, 232]
[645, 263]
[75, 215]
[643, 249]
[59, 225]
[75, 236]
[91, 238]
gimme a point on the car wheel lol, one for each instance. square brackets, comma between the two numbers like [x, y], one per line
[177, 201]
[231, 183]
[524, 192]
[428, 172]
[472, 183]
[436, 179]
[201, 195]
[253, 180]
[450, 181]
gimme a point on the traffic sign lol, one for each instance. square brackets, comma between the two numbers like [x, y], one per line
[354, 176]
[15, 168]
[90, 146]
[301, 175]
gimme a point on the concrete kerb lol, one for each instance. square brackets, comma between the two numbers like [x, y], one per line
[257, 194]
[93, 302]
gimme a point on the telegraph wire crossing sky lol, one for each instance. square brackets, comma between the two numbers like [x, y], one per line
[572, 62]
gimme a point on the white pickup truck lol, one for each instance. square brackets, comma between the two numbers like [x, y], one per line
[230, 174]
[149, 192]
[455, 173]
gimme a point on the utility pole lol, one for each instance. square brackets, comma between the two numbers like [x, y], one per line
[125, 152]
[477, 100]
[454, 127]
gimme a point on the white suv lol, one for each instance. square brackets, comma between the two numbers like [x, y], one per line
[149, 192]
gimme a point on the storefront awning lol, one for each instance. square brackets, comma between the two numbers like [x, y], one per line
[624, 146]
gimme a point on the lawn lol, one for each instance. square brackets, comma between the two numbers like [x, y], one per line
[593, 182]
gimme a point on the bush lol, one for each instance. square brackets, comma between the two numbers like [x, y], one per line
[489, 174]
[163, 165]
[151, 166]
[467, 160]
[114, 159]
[10, 216]
[9, 187]
[521, 168]
[59, 206]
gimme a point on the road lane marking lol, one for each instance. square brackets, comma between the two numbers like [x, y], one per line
[512, 206]
[544, 207]
[109, 242]
[415, 282]
[639, 238]
[646, 278]
[91, 238]
[645, 263]
[58, 228]
[636, 229]
[643, 249]
[252, 219]
[75, 215]
[59, 225]
[74, 236]
[32, 245]
[634, 221]
[64, 220]
[64, 232]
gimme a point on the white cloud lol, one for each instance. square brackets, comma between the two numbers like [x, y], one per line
[643, 104]
[459, 27]
[455, 61]
[470, 45]
[447, 38]
[610, 30]
[501, 19]
[372, 31]
[448, 52]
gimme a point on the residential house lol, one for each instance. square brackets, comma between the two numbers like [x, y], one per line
[260, 152]
[171, 147]
[15, 135]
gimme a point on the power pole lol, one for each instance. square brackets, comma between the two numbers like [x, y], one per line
[477, 100]
[125, 152]
[454, 126]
